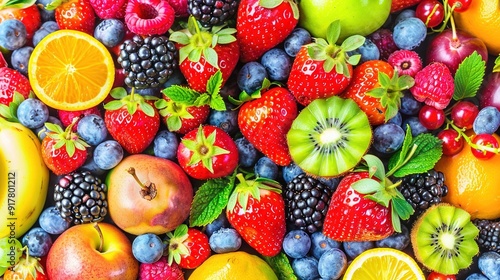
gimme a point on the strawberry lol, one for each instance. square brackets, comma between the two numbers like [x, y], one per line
[10, 81]
[188, 247]
[398, 5]
[68, 117]
[131, 120]
[207, 152]
[265, 121]
[434, 85]
[200, 57]
[377, 89]
[160, 270]
[27, 13]
[107, 9]
[322, 69]
[262, 25]
[149, 17]
[249, 212]
[63, 151]
[74, 14]
[27, 268]
[3, 62]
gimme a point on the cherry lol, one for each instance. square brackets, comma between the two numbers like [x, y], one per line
[460, 5]
[484, 140]
[464, 113]
[431, 12]
[453, 143]
[430, 117]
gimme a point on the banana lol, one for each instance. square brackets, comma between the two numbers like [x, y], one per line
[24, 179]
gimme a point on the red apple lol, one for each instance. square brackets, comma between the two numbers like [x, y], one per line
[148, 194]
[92, 251]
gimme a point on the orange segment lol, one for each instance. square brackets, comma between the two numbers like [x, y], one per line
[71, 70]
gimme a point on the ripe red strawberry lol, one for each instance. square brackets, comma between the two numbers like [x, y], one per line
[256, 210]
[149, 17]
[265, 121]
[28, 14]
[74, 14]
[323, 69]
[434, 85]
[63, 151]
[160, 270]
[398, 5]
[107, 9]
[10, 81]
[377, 89]
[3, 62]
[188, 247]
[200, 59]
[261, 28]
[131, 120]
[207, 152]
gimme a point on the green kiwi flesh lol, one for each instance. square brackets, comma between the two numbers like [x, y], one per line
[329, 137]
[443, 239]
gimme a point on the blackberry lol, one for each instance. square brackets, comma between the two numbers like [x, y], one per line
[148, 62]
[80, 198]
[306, 202]
[423, 190]
[212, 12]
[489, 235]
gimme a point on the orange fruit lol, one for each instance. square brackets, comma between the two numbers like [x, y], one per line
[71, 70]
[482, 20]
[472, 183]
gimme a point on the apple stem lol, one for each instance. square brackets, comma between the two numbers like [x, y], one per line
[147, 192]
[101, 237]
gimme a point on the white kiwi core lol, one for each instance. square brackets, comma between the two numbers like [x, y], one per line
[330, 136]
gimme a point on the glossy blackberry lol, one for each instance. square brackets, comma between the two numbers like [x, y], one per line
[489, 235]
[80, 198]
[423, 190]
[306, 203]
[148, 62]
[212, 12]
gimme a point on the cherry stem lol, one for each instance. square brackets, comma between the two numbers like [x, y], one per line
[467, 139]
[101, 237]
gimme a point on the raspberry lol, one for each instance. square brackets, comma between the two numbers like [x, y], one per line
[107, 9]
[382, 38]
[160, 270]
[149, 17]
[180, 7]
[406, 62]
[434, 85]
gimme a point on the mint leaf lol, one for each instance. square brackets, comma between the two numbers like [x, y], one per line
[399, 157]
[281, 266]
[181, 94]
[210, 200]
[469, 76]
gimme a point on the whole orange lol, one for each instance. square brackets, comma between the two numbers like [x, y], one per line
[473, 184]
[482, 20]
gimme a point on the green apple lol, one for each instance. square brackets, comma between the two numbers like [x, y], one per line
[361, 17]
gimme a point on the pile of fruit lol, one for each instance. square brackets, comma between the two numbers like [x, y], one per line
[228, 139]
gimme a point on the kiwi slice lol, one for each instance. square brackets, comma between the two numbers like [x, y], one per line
[443, 239]
[329, 137]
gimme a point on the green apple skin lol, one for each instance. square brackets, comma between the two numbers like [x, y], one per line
[75, 254]
[357, 17]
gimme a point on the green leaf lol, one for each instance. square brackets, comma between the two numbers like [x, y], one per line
[174, 123]
[428, 150]
[398, 157]
[270, 4]
[333, 32]
[113, 105]
[210, 200]
[184, 52]
[53, 5]
[54, 127]
[203, 99]
[214, 83]
[179, 37]
[382, 197]
[375, 166]
[147, 108]
[354, 59]
[384, 79]
[181, 94]
[281, 266]
[367, 186]
[469, 76]
[352, 43]
[211, 57]
[225, 39]
[217, 103]
[328, 65]
[402, 207]
[5, 112]
[118, 93]
[195, 55]
[396, 222]
[496, 66]
[17, 4]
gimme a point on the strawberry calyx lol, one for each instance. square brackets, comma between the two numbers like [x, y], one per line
[132, 102]
[246, 188]
[197, 41]
[270, 4]
[245, 96]
[10, 112]
[66, 138]
[28, 266]
[54, 4]
[16, 4]
[176, 246]
[333, 55]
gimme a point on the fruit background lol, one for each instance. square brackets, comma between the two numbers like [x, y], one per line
[216, 139]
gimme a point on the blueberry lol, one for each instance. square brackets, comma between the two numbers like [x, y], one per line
[226, 120]
[108, 154]
[215, 225]
[12, 34]
[90, 164]
[247, 152]
[251, 76]
[306, 268]
[296, 244]
[368, 51]
[476, 276]
[406, 13]
[398, 240]
[92, 129]
[487, 120]
[165, 144]
[225, 240]
[415, 125]
[20, 58]
[291, 171]
[397, 119]
[38, 242]
[41, 132]
[44, 30]
[51, 221]
[354, 249]
[409, 33]
[265, 167]
[45, 14]
[277, 63]
[32, 113]
[147, 248]
[110, 32]
[409, 105]
[296, 40]
[489, 264]
[321, 243]
[388, 137]
[332, 183]
[332, 264]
